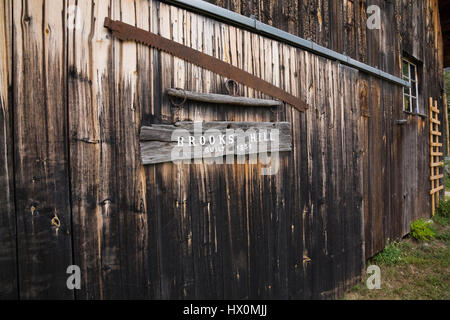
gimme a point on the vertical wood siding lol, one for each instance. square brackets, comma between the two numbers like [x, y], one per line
[73, 100]
[8, 258]
[41, 166]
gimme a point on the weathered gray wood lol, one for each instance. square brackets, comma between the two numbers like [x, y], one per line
[163, 132]
[222, 98]
[8, 249]
[199, 231]
[41, 150]
[158, 141]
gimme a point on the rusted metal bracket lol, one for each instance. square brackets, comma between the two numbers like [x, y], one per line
[125, 32]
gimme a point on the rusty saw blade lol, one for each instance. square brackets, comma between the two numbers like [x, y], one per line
[125, 32]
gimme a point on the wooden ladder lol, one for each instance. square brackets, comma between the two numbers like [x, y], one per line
[435, 155]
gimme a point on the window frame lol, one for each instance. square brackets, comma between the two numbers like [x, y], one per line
[412, 83]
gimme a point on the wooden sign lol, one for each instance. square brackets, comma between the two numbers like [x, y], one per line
[187, 140]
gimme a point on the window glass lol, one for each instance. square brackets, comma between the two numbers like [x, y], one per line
[410, 95]
[406, 90]
[406, 103]
[413, 72]
[405, 69]
[413, 104]
[413, 89]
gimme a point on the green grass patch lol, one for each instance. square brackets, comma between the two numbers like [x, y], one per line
[411, 269]
[391, 254]
[442, 214]
[443, 221]
[443, 235]
[422, 230]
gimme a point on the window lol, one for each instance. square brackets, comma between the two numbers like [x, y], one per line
[410, 101]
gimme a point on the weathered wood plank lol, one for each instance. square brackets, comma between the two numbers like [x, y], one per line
[153, 113]
[146, 249]
[307, 214]
[92, 131]
[435, 121]
[437, 154]
[435, 133]
[437, 164]
[166, 208]
[41, 150]
[182, 173]
[198, 198]
[437, 189]
[163, 132]
[130, 177]
[335, 148]
[222, 98]
[437, 177]
[8, 260]
[163, 143]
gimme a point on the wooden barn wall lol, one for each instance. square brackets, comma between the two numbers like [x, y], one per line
[8, 259]
[73, 100]
[396, 177]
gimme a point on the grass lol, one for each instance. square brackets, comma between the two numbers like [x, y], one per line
[422, 230]
[392, 254]
[411, 269]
